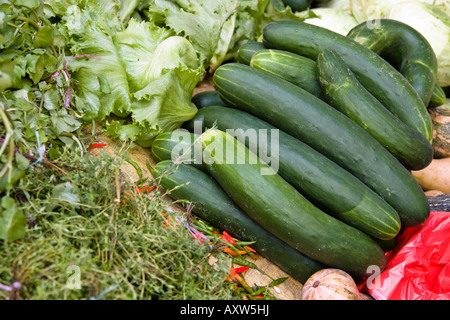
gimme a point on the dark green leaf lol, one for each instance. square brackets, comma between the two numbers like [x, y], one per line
[51, 99]
[54, 153]
[44, 37]
[35, 67]
[65, 123]
[12, 220]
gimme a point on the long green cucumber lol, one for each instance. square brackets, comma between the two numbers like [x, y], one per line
[213, 205]
[320, 180]
[346, 94]
[247, 50]
[403, 47]
[207, 98]
[279, 208]
[379, 77]
[292, 67]
[311, 120]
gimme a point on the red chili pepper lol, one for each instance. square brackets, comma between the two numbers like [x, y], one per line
[145, 188]
[250, 249]
[167, 222]
[225, 236]
[196, 236]
[96, 145]
[241, 269]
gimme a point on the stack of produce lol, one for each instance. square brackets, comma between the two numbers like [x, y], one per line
[350, 121]
[345, 107]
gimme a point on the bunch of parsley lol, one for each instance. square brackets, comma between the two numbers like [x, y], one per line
[36, 121]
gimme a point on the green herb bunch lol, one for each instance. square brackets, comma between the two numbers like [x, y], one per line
[82, 213]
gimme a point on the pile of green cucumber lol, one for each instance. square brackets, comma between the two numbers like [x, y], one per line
[348, 121]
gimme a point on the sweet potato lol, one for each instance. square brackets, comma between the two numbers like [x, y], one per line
[436, 176]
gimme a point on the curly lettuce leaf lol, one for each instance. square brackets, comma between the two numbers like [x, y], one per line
[166, 83]
[166, 100]
[200, 21]
[142, 71]
[136, 46]
[121, 10]
[99, 79]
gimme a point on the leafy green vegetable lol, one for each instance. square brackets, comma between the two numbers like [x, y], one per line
[136, 46]
[91, 39]
[12, 220]
[77, 221]
[200, 21]
[142, 71]
[163, 70]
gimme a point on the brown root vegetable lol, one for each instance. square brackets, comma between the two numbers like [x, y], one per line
[433, 193]
[441, 130]
[436, 176]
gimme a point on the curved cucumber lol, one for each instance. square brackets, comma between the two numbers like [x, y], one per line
[438, 97]
[278, 207]
[292, 67]
[311, 120]
[323, 182]
[380, 78]
[207, 98]
[213, 205]
[346, 94]
[405, 48]
[247, 50]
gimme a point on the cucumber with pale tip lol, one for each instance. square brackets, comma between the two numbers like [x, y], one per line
[213, 205]
[403, 47]
[345, 93]
[292, 67]
[247, 50]
[377, 75]
[277, 206]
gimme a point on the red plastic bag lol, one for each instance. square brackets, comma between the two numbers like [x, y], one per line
[419, 267]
